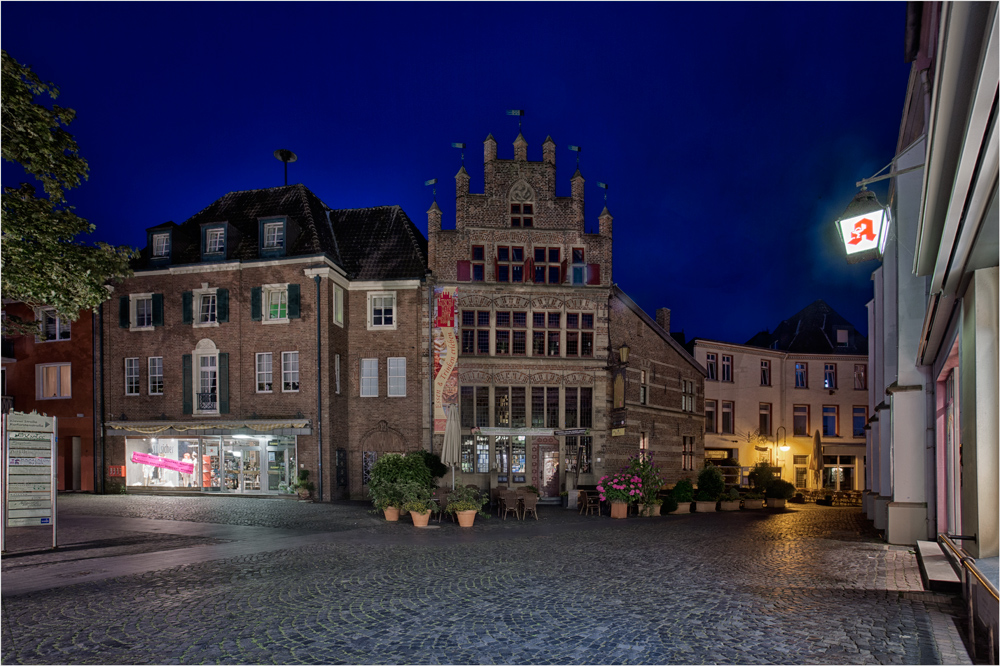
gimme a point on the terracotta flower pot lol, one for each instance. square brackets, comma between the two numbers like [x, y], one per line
[420, 519]
[466, 518]
[619, 509]
[391, 514]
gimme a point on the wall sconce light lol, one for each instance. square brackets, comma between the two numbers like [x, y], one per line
[623, 353]
[863, 227]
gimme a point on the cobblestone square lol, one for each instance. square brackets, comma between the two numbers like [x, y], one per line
[192, 580]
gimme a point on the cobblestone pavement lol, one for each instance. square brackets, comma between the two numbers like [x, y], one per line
[333, 583]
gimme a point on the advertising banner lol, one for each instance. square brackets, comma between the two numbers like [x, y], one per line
[445, 354]
[165, 463]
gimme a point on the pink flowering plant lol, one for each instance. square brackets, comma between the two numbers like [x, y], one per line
[642, 465]
[624, 486]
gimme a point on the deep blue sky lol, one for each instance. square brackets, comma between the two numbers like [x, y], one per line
[731, 135]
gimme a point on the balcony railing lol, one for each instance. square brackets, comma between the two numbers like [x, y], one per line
[207, 402]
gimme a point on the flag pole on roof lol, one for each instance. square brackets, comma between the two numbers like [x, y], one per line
[432, 181]
[577, 150]
[462, 147]
[520, 114]
[604, 186]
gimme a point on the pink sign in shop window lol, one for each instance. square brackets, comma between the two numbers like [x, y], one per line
[165, 463]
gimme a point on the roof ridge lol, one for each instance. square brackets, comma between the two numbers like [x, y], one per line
[410, 228]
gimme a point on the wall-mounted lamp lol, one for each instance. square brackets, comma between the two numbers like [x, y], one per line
[784, 443]
[623, 353]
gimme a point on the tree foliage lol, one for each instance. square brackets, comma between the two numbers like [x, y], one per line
[43, 260]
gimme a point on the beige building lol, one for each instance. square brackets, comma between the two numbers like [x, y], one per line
[810, 375]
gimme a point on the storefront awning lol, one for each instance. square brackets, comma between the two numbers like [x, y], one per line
[276, 427]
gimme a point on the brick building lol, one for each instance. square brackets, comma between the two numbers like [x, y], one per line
[657, 396]
[527, 290]
[53, 373]
[234, 355]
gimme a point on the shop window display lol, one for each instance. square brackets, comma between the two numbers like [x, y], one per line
[162, 463]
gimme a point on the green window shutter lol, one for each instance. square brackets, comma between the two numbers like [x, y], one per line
[187, 383]
[157, 309]
[123, 312]
[222, 304]
[223, 383]
[255, 299]
[293, 302]
[188, 308]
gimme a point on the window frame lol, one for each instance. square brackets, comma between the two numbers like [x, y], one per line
[132, 380]
[525, 218]
[151, 375]
[154, 241]
[863, 376]
[268, 224]
[40, 381]
[712, 407]
[266, 291]
[732, 417]
[372, 296]
[864, 421]
[197, 296]
[801, 370]
[368, 377]
[389, 376]
[830, 375]
[336, 373]
[62, 324]
[208, 236]
[795, 414]
[338, 305]
[834, 410]
[765, 372]
[196, 381]
[727, 368]
[711, 366]
[760, 419]
[268, 373]
[288, 372]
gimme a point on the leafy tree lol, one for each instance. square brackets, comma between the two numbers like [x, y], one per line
[42, 261]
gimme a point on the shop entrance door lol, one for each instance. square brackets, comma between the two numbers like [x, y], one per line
[241, 467]
[280, 468]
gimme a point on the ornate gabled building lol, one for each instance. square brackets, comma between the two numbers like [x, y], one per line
[265, 335]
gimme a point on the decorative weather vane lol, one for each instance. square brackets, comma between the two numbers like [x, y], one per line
[604, 186]
[519, 113]
[432, 181]
[462, 147]
[577, 150]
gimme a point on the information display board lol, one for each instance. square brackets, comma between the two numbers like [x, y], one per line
[29, 472]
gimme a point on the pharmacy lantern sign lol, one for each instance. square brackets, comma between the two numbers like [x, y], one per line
[864, 227]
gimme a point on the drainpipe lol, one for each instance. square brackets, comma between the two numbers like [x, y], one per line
[95, 366]
[99, 456]
[319, 392]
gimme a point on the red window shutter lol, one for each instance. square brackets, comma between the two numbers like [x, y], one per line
[593, 274]
[464, 270]
[562, 272]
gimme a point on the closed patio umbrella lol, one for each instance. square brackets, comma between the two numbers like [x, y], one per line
[816, 464]
[451, 448]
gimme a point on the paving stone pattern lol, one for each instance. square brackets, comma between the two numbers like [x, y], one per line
[803, 586]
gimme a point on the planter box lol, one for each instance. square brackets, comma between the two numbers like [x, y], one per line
[753, 504]
[704, 507]
[651, 510]
[683, 507]
[776, 503]
[729, 506]
[619, 510]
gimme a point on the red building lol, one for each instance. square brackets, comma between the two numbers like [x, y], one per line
[53, 373]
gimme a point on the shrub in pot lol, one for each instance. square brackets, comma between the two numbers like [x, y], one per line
[393, 469]
[730, 500]
[465, 503]
[649, 474]
[416, 498]
[710, 487]
[760, 477]
[778, 491]
[304, 486]
[753, 499]
[683, 493]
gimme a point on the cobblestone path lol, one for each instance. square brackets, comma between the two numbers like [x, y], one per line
[809, 585]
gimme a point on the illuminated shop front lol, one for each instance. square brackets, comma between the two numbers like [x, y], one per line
[243, 460]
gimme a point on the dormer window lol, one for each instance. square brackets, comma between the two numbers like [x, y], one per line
[213, 242]
[161, 245]
[272, 237]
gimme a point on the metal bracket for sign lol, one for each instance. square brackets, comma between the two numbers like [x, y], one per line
[30, 446]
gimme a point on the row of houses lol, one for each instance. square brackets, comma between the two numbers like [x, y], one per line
[269, 333]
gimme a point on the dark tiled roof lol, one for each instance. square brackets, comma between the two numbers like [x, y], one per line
[378, 243]
[656, 328]
[812, 330]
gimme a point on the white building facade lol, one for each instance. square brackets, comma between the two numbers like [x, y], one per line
[758, 400]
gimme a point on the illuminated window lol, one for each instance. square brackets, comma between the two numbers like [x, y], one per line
[830, 375]
[801, 375]
[54, 380]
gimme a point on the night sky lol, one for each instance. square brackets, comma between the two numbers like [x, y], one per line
[730, 135]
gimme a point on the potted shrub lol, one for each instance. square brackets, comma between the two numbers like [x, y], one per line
[753, 499]
[304, 486]
[416, 499]
[649, 499]
[778, 492]
[620, 489]
[710, 487]
[683, 494]
[389, 472]
[730, 500]
[465, 503]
